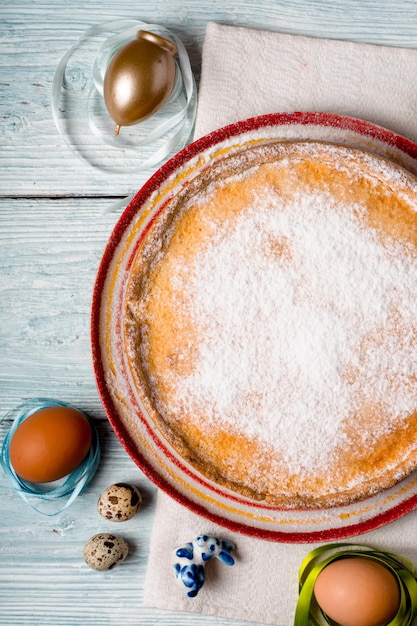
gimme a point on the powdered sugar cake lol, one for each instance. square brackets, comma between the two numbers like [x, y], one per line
[270, 323]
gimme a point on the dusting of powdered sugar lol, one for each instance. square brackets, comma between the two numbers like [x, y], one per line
[303, 312]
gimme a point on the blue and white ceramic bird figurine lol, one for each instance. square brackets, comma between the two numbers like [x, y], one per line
[189, 568]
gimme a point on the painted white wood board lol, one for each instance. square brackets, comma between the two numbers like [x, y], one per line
[54, 224]
[35, 35]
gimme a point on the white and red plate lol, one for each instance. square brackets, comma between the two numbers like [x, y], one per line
[137, 433]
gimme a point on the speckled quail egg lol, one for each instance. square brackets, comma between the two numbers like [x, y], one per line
[119, 502]
[104, 551]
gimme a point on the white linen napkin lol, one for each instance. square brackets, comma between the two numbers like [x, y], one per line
[262, 586]
[251, 72]
[245, 73]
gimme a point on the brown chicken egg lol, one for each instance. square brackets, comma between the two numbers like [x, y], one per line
[357, 591]
[50, 444]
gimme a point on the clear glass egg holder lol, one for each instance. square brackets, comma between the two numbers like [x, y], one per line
[81, 116]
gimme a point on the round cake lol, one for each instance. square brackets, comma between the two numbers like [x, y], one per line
[270, 323]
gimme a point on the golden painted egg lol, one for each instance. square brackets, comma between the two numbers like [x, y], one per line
[139, 79]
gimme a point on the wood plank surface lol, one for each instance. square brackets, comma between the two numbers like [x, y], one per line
[56, 214]
[50, 251]
[35, 35]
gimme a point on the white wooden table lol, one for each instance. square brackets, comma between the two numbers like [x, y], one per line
[54, 225]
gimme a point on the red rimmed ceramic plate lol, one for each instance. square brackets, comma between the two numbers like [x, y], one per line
[136, 431]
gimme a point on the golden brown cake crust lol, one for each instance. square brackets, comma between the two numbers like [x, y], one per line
[270, 323]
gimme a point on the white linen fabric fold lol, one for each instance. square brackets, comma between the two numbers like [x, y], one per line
[249, 72]
[246, 73]
[262, 586]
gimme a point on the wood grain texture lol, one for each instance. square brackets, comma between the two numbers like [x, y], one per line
[50, 252]
[35, 35]
[55, 219]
